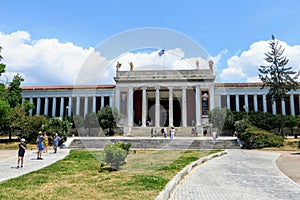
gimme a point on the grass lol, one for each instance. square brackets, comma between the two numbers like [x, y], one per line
[76, 177]
[289, 144]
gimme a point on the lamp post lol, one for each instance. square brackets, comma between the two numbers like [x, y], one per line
[67, 109]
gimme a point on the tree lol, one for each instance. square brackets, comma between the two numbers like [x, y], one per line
[217, 117]
[278, 78]
[14, 91]
[108, 118]
[91, 121]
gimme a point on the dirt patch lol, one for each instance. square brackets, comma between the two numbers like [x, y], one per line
[8, 153]
[288, 163]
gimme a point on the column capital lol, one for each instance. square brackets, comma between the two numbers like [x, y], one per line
[144, 87]
[157, 87]
[170, 87]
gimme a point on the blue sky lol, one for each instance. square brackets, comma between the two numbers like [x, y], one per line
[234, 33]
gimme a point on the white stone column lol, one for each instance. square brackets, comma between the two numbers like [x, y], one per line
[46, 106]
[38, 106]
[211, 97]
[70, 107]
[283, 111]
[274, 108]
[183, 108]
[228, 101]
[220, 101]
[110, 101]
[157, 106]
[53, 106]
[292, 105]
[94, 104]
[102, 101]
[265, 103]
[171, 107]
[246, 103]
[86, 105]
[144, 106]
[31, 102]
[255, 102]
[130, 107]
[237, 102]
[117, 98]
[77, 105]
[62, 107]
[198, 107]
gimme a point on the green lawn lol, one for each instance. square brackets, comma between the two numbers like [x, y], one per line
[77, 177]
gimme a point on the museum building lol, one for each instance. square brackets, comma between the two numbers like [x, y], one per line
[179, 98]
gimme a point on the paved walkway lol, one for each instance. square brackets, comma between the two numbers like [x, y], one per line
[241, 174]
[8, 165]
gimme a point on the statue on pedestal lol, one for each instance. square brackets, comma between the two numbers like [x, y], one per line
[211, 65]
[131, 66]
[118, 66]
[197, 64]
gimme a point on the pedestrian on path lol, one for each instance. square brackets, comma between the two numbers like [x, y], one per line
[46, 142]
[56, 140]
[40, 143]
[214, 135]
[172, 133]
[21, 152]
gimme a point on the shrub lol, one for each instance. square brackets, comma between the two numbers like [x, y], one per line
[115, 154]
[256, 138]
[241, 125]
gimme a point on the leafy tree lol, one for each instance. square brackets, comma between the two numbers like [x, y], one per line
[217, 117]
[14, 91]
[78, 121]
[276, 76]
[59, 125]
[291, 122]
[91, 121]
[108, 118]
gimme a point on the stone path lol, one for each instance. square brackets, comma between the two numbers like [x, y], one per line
[241, 174]
[8, 165]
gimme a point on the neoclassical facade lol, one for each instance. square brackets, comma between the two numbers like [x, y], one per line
[158, 98]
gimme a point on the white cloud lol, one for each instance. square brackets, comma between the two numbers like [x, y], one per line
[41, 62]
[244, 67]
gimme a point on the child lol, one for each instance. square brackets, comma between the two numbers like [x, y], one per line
[21, 152]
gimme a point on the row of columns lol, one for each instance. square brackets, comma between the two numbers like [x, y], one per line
[157, 105]
[67, 107]
[292, 103]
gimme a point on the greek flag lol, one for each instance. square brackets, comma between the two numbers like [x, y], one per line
[162, 52]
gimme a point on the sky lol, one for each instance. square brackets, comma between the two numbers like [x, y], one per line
[56, 42]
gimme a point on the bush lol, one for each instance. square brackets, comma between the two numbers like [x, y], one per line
[115, 154]
[241, 125]
[256, 138]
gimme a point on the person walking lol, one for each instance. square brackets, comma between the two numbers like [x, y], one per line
[46, 142]
[40, 143]
[21, 153]
[172, 133]
[56, 140]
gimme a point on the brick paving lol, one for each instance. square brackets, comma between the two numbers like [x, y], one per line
[241, 174]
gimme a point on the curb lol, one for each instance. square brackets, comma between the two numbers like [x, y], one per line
[169, 189]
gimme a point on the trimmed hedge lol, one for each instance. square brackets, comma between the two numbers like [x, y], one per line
[256, 138]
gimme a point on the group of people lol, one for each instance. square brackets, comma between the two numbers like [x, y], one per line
[42, 142]
[154, 132]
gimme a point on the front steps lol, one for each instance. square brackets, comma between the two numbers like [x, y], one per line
[157, 142]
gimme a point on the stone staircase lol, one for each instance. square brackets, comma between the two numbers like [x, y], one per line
[157, 142]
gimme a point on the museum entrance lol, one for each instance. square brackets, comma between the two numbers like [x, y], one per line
[164, 113]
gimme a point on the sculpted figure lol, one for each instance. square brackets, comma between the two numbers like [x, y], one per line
[118, 66]
[211, 65]
[131, 66]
